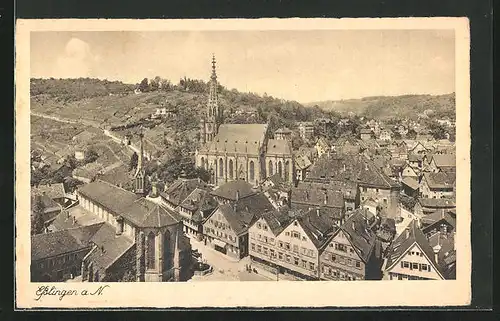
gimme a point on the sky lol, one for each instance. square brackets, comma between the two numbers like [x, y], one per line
[302, 65]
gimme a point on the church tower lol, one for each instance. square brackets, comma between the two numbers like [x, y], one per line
[140, 173]
[213, 113]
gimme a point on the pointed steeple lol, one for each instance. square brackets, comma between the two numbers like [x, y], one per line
[213, 112]
[140, 173]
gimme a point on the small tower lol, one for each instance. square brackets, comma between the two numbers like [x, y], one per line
[213, 113]
[140, 173]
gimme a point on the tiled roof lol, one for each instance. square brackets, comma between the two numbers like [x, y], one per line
[228, 190]
[239, 219]
[181, 188]
[276, 220]
[444, 160]
[439, 180]
[406, 240]
[137, 210]
[431, 219]
[247, 138]
[51, 190]
[415, 157]
[109, 247]
[278, 147]
[283, 131]
[302, 162]
[49, 205]
[117, 176]
[56, 243]
[199, 201]
[437, 202]
[359, 234]
[317, 227]
[316, 194]
[365, 131]
[410, 182]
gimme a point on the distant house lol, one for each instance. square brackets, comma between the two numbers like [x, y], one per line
[175, 193]
[57, 256]
[410, 186]
[194, 209]
[409, 171]
[56, 192]
[283, 134]
[233, 191]
[322, 147]
[306, 130]
[418, 148]
[417, 161]
[346, 145]
[302, 164]
[353, 252]
[442, 163]
[441, 221]
[365, 133]
[411, 257]
[425, 206]
[385, 135]
[51, 209]
[437, 185]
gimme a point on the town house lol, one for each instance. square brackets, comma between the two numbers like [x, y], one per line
[411, 257]
[441, 163]
[437, 185]
[353, 252]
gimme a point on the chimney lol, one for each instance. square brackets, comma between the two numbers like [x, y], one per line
[326, 197]
[317, 212]
[353, 225]
[237, 195]
[74, 220]
[437, 248]
[407, 232]
[344, 167]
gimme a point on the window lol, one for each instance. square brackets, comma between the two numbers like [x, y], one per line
[351, 250]
[287, 246]
[341, 247]
[252, 171]
[230, 169]
[150, 259]
[385, 200]
[288, 258]
[221, 168]
[259, 236]
[280, 255]
[271, 240]
[303, 250]
[311, 266]
[296, 235]
[304, 238]
[270, 168]
[358, 264]
[280, 244]
[265, 239]
[304, 264]
[377, 190]
[400, 277]
[265, 227]
[296, 248]
[273, 254]
[414, 266]
[296, 260]
[259, 248]
[349, 262]
[253, 246]
[311, 253]
[259, 225]
[287, 233]
[423, 267]
[265, 250]
[334, 258]
[405, 264]
[280, 169]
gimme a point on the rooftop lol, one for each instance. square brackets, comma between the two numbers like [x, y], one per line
[230, 189]
[51, 190]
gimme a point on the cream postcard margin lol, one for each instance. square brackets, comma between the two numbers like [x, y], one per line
[244, 294]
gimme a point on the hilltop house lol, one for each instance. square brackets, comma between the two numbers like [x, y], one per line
[306, 130]
[365, 133]
[442, 163]
[425, 206]
[308, 195]
[302, 164]
[322, 147]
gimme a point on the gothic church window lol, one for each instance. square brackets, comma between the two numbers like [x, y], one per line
[287, 165]
[203, 163]
[230, 169]
[270, 169]
[280, 169]
[150, 259]
[252, 171]
[221, 167]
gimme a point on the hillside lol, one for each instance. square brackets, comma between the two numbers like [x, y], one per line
[387, 107]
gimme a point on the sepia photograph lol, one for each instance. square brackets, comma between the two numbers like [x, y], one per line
[209, 155]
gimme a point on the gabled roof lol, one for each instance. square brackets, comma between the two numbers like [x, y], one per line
[52, 244]
[359, 234]
[405, 241]
[199, 201]
[437, 202]
[317, 226]
[181, 188]
[439, 180]
[278, 147]
[415, 157]
[283, 131]
[246, 138]
[410, 182]
[440, 215]
[229, 190]
[302, 162]
[133, 208]
[276, 220]
[51, 190]
[444, 160]
[317, 195]
[109, 247]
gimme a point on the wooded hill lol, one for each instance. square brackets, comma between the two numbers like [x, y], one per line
[383, 107]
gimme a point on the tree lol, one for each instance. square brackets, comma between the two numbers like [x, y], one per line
[144, 85]
[412, 134]
[134, 159]
[37, 221]
[91, 155]
[71, 183]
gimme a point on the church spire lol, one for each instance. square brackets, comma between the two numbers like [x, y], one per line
[214, 73]
[213, 112]
[140, 172]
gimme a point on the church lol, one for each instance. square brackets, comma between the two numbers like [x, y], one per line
[240, 151]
